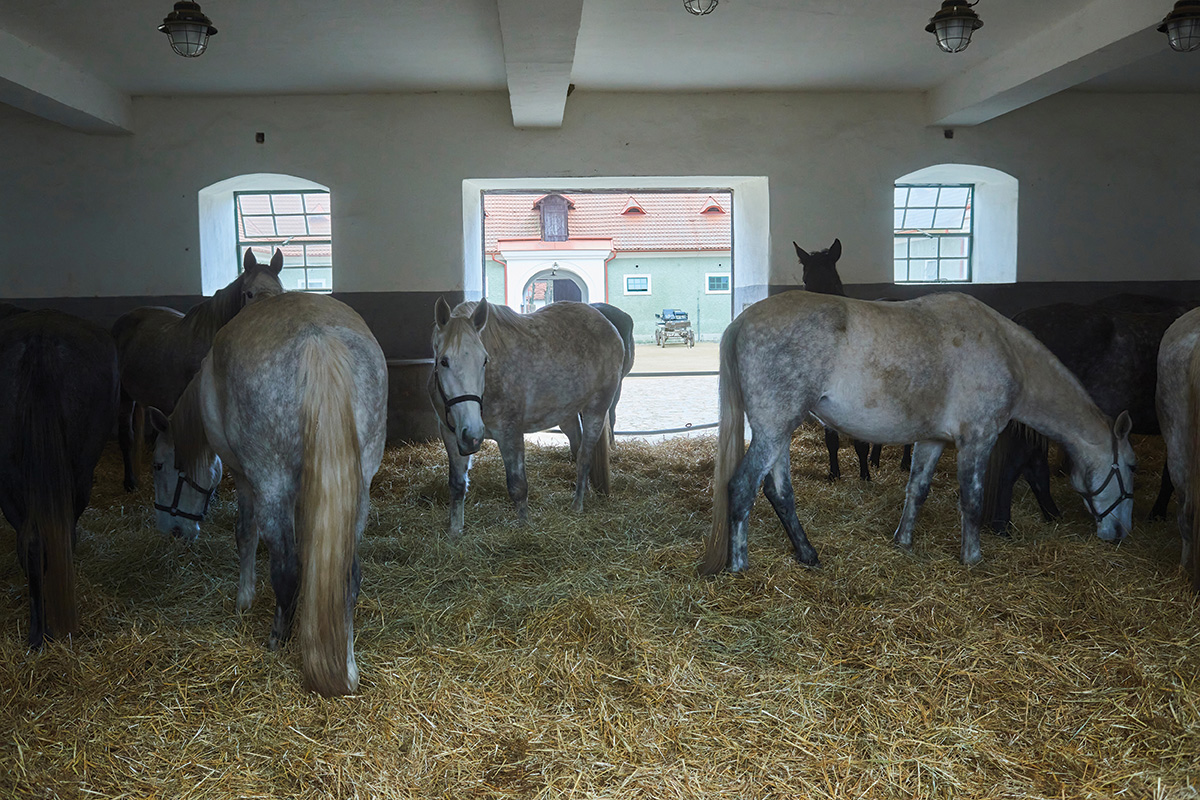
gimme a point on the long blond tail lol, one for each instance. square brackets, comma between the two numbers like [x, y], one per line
[1193, 487]
[600, 472]
[327, 513]
[731, 446]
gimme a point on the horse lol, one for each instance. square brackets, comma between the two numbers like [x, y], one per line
[160, 348]
[1178, 403]
[820, 275]
[58, 395]
[499, 375]
[624, 325]
[1113, 352]
[938, 369]
[293, 399]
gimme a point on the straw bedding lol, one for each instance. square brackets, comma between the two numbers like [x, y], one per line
[581, 656]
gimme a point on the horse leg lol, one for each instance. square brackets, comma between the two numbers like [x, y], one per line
[512, 450]
[876, 451]
[831, 444]
[777, 486]
[125, 439]
[1037, 475]
[863, 451]
[925, 458]
[459, 466]
[906, 458]
[570, 426]
[247, 543]
[273, 517]
[759, 459]
[592, 427]
[972, 467]
[1165, 490]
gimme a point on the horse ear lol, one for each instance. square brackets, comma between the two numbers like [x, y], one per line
[158, 420]
[480, 317]
[249, 260]
[803, 256]
[441, 312]
[1123, 426]
[835, 249]
[277, 261]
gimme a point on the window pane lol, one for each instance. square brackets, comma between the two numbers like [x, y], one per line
[288, 203]
[922, 248]
[900, 270]
[923, 196]
[954, 196]
[718, 283]
[291, 226]
[320, 278]
[319, 225]
[317, 203]
[949, 219]
[954, 269]
[254, 203]
[898, 219]
[954, 246]
[319, 255]
[634, 283]
[900, 198]
[930, 270]
[293, 279]
[900, 247]
[258, 227]
[918, 219]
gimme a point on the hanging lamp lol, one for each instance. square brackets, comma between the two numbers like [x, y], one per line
[1182, 26]
[188, 29]
[953, 25]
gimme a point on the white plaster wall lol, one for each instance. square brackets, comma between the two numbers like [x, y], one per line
[1105, 191]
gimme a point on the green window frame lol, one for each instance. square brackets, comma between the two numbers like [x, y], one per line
[298, 222]
[933, 228]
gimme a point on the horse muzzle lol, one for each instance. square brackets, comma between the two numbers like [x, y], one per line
[468, 444]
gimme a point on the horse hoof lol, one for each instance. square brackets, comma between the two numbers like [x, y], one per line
[131, 486]
[815, 563]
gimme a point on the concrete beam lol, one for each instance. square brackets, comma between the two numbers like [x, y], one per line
[539, 53]
[44, 85]
[1098, 38]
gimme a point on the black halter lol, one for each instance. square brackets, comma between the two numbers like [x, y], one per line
[184, 480]
[451, 401]
[1115, 470]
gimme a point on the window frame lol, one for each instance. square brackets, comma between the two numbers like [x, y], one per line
[968, 234]
[303, 241]
[708, 276]
[636, 293]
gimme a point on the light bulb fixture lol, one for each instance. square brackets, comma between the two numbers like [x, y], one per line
[1182, 26]
[188, 29]
[554, 270]
[700, 7]
[953, 25]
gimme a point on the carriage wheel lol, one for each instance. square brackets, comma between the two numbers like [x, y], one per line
[691, 338]
[658, 337]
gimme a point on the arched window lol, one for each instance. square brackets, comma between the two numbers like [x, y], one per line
[955, 223]
[262, 212]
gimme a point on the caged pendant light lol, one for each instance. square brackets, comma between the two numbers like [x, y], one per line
[188, 29]
[953, 25]
[1182, 26]
[700, 7]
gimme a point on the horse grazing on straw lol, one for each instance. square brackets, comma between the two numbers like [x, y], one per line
[160, 349]
[58, 395]
[1178, 401]
[1114, 353]
[939, 369]
[821, 276]
[624, 325]
[293, 398]
[499, 375]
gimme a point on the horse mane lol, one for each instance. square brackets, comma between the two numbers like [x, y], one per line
[502, 322]
[193, 455]
[208, 316]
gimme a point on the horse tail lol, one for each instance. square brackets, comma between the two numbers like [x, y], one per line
[49, 526]
[600, 472]
[731, 446]
[330, 503]
[1193, 489]
[139, 437]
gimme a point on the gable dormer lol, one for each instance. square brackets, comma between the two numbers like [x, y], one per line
[711, 206]
[632, 208]
[554, 208]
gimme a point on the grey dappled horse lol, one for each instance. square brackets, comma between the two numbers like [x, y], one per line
[58, 394]
[1178, 401]
[940, 369]
[160, 349]
[293, 398]
[499, 375]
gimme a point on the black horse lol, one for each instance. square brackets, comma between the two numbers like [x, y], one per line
[821, 276]
[1112, 347]
[624, 325]
[58, 398]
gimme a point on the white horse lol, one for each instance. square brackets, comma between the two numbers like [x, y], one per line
[940, 369]
[1178, 402]
[293, 398]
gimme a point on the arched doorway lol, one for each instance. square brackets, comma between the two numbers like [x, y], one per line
[551, 285]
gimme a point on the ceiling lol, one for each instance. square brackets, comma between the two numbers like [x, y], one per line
[80, 64]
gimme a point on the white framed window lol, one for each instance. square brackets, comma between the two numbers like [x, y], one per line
[637, 284]
[299, 223]
[717, 283]
[933, 233]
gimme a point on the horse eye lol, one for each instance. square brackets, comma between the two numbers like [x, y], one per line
[445, 362]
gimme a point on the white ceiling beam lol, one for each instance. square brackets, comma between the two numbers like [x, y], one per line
[35, 81]
[539, 53]
[1096, 39]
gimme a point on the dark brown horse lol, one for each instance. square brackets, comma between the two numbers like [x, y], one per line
[624, 325]
[160, 348]
[58, 395]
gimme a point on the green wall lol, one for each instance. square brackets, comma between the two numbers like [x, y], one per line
[675, 282]
[495, 282]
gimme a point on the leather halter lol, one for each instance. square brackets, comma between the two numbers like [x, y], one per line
[1089, 498]
[182, 481]
[452, 401]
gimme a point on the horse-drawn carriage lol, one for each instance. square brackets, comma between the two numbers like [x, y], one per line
[673, 323]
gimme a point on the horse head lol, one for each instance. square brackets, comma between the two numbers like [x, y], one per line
[1107, 484]
[182, 490]
[259, 281]
[460, 363]
[820, 269]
